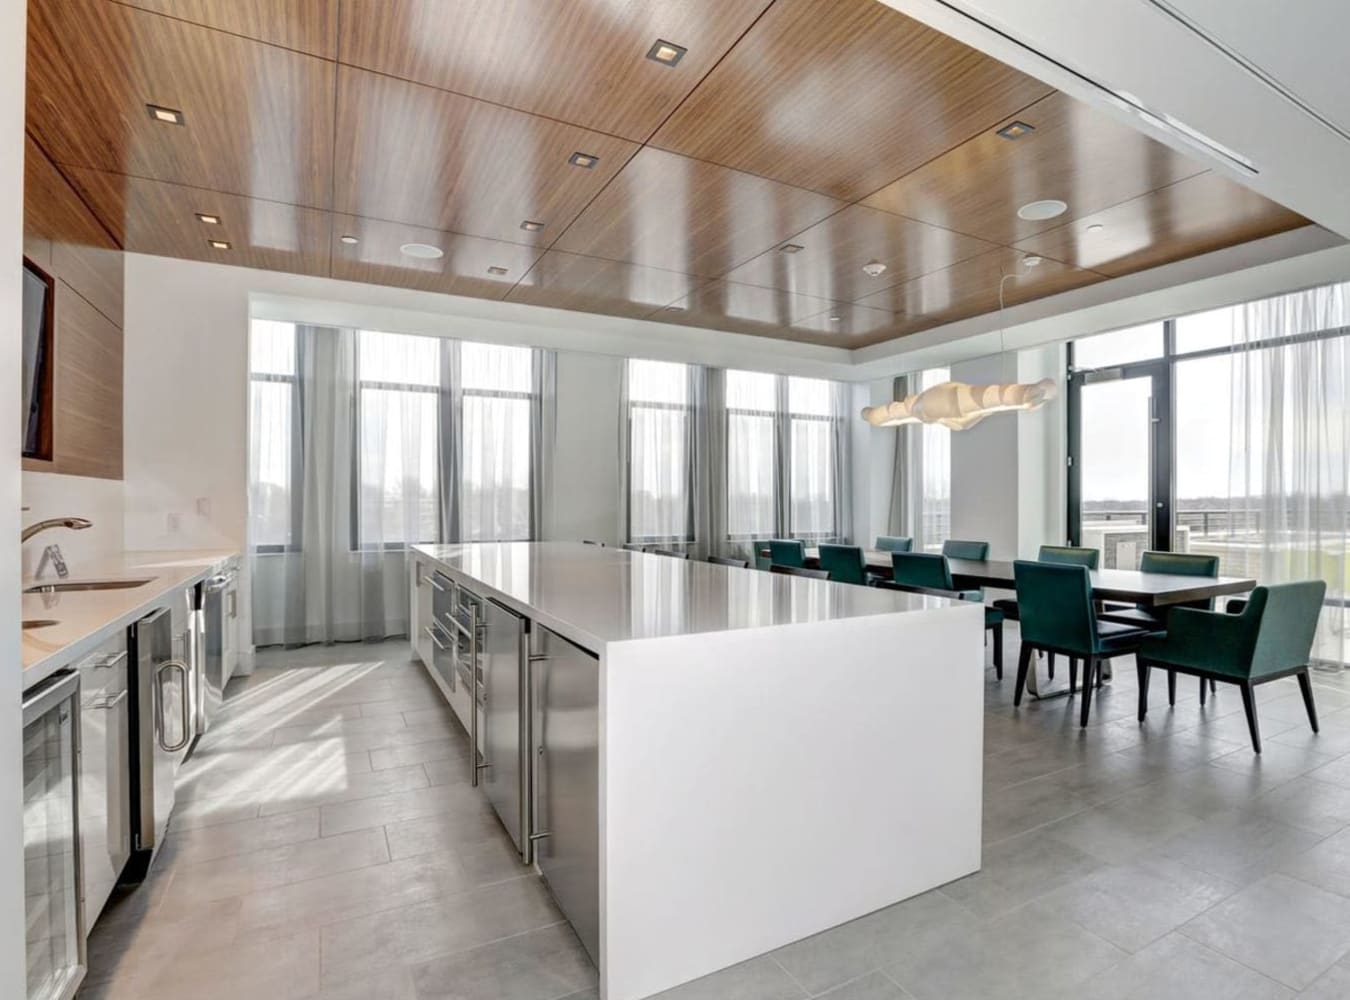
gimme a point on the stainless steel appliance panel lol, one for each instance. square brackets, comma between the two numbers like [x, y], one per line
[105, 773]
[504, 770]
[53, 879]
[566, 731]
[215, 593]
[440, 628]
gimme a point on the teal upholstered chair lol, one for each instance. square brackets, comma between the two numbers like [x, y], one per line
[955, 548]
[894, 543]
[729, 561]
[787, 552]
[1058, 616]
[810, 574]
[1178, 564]
[928, 572]
[844, 563]
[1060, 555]
[1271, 638]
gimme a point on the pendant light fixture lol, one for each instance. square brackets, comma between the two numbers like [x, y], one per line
[959, 406]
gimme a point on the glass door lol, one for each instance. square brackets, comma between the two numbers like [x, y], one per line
[1120, 456]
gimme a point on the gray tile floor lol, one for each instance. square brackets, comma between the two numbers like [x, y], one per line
[327, 845]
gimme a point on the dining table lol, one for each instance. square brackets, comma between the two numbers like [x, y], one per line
[1125, 586]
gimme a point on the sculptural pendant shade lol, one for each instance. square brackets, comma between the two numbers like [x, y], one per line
[959, 406]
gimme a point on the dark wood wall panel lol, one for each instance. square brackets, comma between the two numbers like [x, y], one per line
[62, 236]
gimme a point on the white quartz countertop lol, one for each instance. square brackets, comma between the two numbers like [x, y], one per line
[597, 595]
[85, 619]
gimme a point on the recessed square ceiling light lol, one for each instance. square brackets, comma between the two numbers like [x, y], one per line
[531, 227]
[167, 115]
[586, 160]
[218, 244]
[496, 270]
[210, 220]
[666, 53]
[791, 248]
[1015, 130]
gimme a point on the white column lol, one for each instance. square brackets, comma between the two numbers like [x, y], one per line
[12, 43]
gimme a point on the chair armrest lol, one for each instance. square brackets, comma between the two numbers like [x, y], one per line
[1204, 640]
[954, 595]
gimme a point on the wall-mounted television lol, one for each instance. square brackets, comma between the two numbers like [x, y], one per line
[39, 295]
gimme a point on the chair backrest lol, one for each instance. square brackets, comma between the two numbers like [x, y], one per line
[1054, 603]
[811, 574]
[787, 552]
[729, 561]
[1182, 564]
[635, 547]
[956, 548]
[669, 552]
[894, 543]
[1069, 555]
[921, 569]
[844, 563]
[1285, 618]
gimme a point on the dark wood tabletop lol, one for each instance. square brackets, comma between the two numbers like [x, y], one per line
[1152, 590]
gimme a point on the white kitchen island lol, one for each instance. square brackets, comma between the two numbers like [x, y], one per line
[714, 762]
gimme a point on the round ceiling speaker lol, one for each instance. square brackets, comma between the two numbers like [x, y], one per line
[422, 251]
[1039, 211]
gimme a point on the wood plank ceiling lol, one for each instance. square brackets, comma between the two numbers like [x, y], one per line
[742, 188]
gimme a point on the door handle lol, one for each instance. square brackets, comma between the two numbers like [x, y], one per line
[184, 707]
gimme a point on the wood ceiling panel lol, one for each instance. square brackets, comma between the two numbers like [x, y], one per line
[1076, 154]
[833, 252]
[158, 218]
[462, 271]
[590, 284]
[51, 209]
[843, 96]
[306, 25]
[672, 212]
[580, 61]
[971, 288]
[258, 117]
[1203, 213]
[765, 312]
[422, 156]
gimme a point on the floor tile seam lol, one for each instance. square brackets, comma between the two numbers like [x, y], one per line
[1237, 961]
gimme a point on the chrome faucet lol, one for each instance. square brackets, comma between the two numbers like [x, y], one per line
[73, 523]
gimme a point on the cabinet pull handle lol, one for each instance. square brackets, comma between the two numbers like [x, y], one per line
[540, 836]
[108, 662]
[431, 632]
[432, 580]
[107, 703]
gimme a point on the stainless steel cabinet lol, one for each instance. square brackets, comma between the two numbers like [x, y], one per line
[566, 728]
[105, 773]
[504, 772]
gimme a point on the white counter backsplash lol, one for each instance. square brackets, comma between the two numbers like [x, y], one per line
[51, 495]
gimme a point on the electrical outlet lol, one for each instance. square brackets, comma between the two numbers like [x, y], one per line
[204, 507]
[172, 522]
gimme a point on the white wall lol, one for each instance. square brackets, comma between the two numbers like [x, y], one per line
[12, 37]
[102, 501]
[585, 501]
[873, 463]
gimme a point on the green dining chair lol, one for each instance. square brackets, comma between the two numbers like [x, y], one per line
[1058, 616]
[1270, 639]
[1060, 555]
[802, 571]
[929, 572]
[787, 552]
[955, 548]
[729, 561]
[844, 563]
[894, 543]
[1177, 564]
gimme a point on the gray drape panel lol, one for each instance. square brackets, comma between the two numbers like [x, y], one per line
[841, 474]
[899, 518]
[543, 439]
[622, 529]
[450, 407]
[709, 468]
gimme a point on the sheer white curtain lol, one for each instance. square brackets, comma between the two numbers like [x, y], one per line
[660, 452]
[752, 457]
[497, 400]
[1289, 449]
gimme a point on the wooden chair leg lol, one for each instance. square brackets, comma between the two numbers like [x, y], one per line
[1023, 664]
[998, 651]
[1145, 671]
[1249, 705]
[1172, 687]
[1050, 664]
[1091, 667]
[1305, 686]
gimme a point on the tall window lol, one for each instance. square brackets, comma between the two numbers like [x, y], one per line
[935, 481]
[660, 449]
[397, 406]
[752, 406]
[784, 461]
[274, 421]
[495, 441]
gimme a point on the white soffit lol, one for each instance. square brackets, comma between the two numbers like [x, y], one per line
[1185, 59]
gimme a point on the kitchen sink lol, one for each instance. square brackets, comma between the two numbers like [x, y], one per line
[57, 587]
[39, 623]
